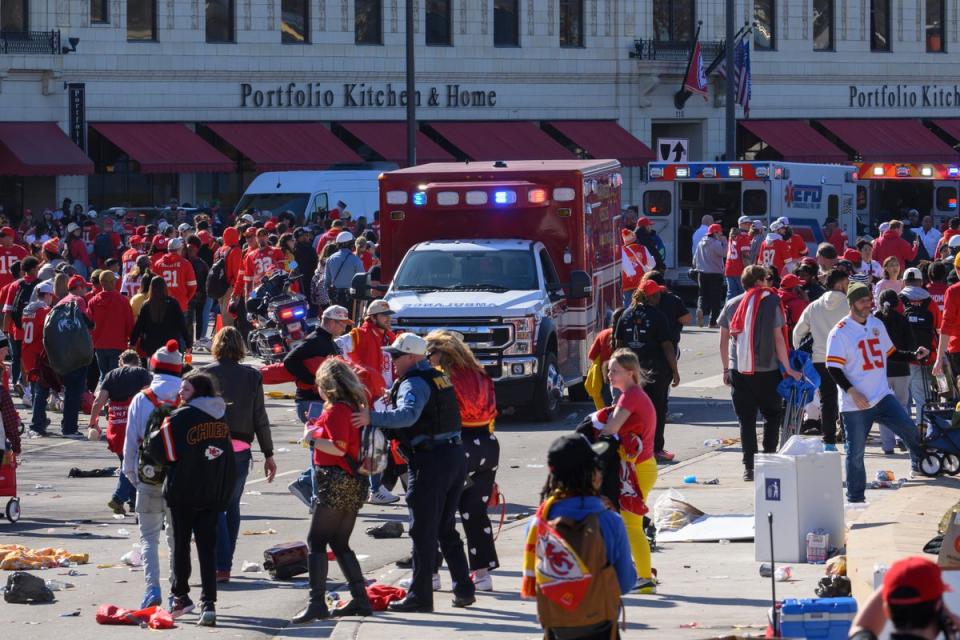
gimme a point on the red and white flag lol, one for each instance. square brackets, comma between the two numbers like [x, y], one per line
[696, 80]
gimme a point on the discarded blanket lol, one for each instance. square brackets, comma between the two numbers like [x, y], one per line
[381, 595]
[154, 617]
[24, 588]
[386, 530]
[14, 557]
[106, 472]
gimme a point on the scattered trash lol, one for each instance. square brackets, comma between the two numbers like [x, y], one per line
[283, 450]
[118, 516]
[712, 442]
[723, 541]
[72, 572]
[253, 493]
[43, 486]
[57, 585]
[690, 625]
[671, 512]
[535, 466]
[26, 588]
[251, 567]
[133, 558]
[152, 617]
[885, 475]
[105, 472]
[15, 557]
[712, 481]
[386, 530]
[265, 532]
[887, 484]
[766, 570]
[689, 479]
[71, 614]
[818, 541]
[833, 587]
[123, 532]
[783, 574]
[518, 516]
[332, 600]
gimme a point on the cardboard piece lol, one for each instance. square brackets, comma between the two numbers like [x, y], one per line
[709, 528]
[949, 557]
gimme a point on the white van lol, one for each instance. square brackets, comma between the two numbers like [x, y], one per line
[309, 194]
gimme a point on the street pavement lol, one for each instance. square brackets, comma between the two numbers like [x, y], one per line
[706, 589]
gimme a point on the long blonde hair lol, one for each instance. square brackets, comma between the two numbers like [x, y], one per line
[454, 353]
[629, 361]
[337, 382]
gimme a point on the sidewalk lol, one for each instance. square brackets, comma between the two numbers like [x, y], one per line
[716, 587]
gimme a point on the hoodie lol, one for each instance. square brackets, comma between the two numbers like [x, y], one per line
[818, 319]
[614, 534]
[230, 250]
[891, 244]
[774, 252]
[138, 415]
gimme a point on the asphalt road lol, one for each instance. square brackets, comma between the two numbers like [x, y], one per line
[72, 513]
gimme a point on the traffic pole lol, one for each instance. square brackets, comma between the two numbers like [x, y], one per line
[411, 91]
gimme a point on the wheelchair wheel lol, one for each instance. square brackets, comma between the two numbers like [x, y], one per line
[931, 465]
[951, 464]
[13, 510]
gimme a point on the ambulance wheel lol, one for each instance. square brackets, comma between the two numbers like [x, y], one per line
[951, 464]
[13, 510]
[931, 465]
[546, 397]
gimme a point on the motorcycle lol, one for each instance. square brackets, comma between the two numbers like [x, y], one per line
[278, 316]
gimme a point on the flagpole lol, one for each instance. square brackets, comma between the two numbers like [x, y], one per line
[730, 153]
[681, 96]
[744, 31]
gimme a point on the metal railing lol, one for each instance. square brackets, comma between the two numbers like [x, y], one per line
[30, 42]
[673, 51]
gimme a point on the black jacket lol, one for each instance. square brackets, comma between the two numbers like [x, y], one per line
[318, 344]
[901, 335]
[307, 261]
[195, 442]
[242, 387]
[153, 335]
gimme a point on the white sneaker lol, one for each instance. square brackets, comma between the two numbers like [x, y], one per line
[482, 583]
[405, 583]
[27, 398]
[382, 496]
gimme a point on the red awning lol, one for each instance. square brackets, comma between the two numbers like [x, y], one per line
[891, 140]
[606, 139]
[286, 146]
[795, 140]
[952, 127]
[40, 149]
[165, 147]
[389, 140]
[501, 141]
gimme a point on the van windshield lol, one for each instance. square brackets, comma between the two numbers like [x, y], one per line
[467, 270]
[276, 203]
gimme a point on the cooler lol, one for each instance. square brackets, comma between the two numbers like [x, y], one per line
[828, 618]
[804, 493]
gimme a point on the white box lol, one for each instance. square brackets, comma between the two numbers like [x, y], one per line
[804, 493]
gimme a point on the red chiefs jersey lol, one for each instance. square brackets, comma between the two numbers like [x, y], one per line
[736, 250]
[32, 337]
[774, 253]
[258, 263]
[9, 255]
[180, 278]
[10, 294]
[89, 233]
[798, 247]
[129, 261]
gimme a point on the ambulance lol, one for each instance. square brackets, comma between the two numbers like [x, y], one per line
[889, 190]
[677, 195]
[521, 258]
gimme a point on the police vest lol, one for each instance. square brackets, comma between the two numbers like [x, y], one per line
[441, 413]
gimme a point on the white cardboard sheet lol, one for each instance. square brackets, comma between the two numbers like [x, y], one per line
[709, 528]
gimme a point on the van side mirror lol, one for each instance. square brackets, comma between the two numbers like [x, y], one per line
[581, 286]
[360, 286]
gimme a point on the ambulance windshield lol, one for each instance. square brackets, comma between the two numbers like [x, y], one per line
[483, 270]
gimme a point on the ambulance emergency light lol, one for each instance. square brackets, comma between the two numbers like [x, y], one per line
[878, 170]
[504, 197]
[735, 172]
[926, 171]
[683, 172]
[419, 198]
[953, 172]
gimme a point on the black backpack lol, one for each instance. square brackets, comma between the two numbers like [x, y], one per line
[21, 299]
[150, 470]
[103, 246]
[217, 285]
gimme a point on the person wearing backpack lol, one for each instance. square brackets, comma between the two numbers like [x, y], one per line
[18, 297]
[232, 257]
[143, 414]
[576, 549]
[32, 356]
[113, 323]
[194, 441]
[339, 491]
[242, 387]
[55, 336]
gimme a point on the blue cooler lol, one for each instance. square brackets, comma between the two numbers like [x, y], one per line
[828, 618]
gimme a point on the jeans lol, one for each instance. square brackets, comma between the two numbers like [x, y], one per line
[203, 317]
[829, 402]
[74, 385]
[40, 395]
[750, 393]
[710, 298]
[16, 347]
[658, 390]
[734, 286]
[125, 491]
[151, 509]
[107, 360]
[858, 424]
[900, 386]
[918, 388]
[188, 319]
[202, 523]
[228, 522]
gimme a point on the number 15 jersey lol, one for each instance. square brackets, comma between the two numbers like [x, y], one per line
[861, 352]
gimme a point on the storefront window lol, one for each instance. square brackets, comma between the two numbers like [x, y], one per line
[506, 23]
[367, 22]
[294, 22]
[823, 25]
[141, 20]
[936, 18]
[438, 22]
[880, 25]
[220, 20]
[764, 17]
[99, 12]
[674, 20]
[571, 23]
[13, 15]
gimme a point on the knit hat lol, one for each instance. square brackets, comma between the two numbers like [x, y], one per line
[52, 245]
[628, 236]
[857, 291]
[168, 359]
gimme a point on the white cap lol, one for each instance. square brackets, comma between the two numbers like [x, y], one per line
[44, 287]
[92, 213]
[377, 307]
[776, 225]
[162, 225]
[175, 244]
[120, 212]
[336, 312]
[247, 218]
[184, 227]
[912, 274]
[343, 237]
[953, 242]
[745, 220]
[884, 227]
[784, 220]
[72, 227]
[758, 224]
[407, 344]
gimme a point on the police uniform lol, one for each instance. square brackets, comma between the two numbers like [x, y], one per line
[426, 422]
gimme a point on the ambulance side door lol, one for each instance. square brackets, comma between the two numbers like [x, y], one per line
[944, 205]
[660, 203]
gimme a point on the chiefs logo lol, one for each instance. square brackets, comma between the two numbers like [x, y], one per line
[212, 453]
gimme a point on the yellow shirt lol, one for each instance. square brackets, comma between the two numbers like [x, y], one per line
[136, 303]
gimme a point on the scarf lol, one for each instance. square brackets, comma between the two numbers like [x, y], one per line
[744, 323]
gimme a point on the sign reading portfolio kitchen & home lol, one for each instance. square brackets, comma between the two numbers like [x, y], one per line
[311, 95]
[905, 96]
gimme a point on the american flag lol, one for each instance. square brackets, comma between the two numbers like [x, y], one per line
[742, 75]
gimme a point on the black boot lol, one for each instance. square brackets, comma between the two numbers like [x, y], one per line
[359, 605]
[317, 609]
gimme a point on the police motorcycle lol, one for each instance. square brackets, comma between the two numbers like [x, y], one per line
[278, 317]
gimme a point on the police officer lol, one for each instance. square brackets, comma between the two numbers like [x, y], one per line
[340, 269]
[425, 419]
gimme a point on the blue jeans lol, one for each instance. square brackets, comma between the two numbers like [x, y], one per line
[734, 286]
[858, 423]
[107, 360]
[40, 395]
[203, 318]
[74, 384]
[228, 525]
[125, 491]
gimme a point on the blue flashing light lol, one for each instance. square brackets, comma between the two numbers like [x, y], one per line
[420, 198]
[500, 197]
[953, 172]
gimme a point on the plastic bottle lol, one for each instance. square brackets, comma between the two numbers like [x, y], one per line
[57, 585]
[783, 574]
[689, 479]
[712, 442]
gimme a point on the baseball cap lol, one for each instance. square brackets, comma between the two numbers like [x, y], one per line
[344, 237]
[407, 344]
[379, 306]
[650, 288]
[184, 227]
[77, 281]
[175, 244]
[853, 256]
[159, 242]
[205, 237]
[857, 291]
[758, 224]
[912, 581]
[953, 242]
[270, 225]
[884, 227]
[784, 220]
[247, 218]
[776, 225]
[44, 287]
[912, 274]
[73, 226]
[7, 232]
[790, 281]
[714, 228]
[744, 220]
[572, 451]
[52, 245]
[336, 312]
[644, 221]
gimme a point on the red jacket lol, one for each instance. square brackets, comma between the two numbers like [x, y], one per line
[179, 276]
[944, 239]
[33, 318]
[891, 244]
[113, 320]
[9, 255]
[950, 325]
[793, 305]
[329, 236]
[233, 253]
[475, 396]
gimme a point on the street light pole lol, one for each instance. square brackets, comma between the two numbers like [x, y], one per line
[731, 105]
[411, 91]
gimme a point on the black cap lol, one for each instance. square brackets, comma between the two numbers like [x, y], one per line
[573, 451]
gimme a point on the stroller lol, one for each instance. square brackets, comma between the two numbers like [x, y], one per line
[797, 393]
[8, 483]
[940, 435]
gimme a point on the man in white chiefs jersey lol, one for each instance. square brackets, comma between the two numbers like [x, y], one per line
[857, 352]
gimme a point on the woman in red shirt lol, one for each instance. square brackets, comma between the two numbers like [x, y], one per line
[339, 491]
[634, 420]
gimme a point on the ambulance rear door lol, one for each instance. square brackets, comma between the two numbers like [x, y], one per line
[661, 204]
[944, 204]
